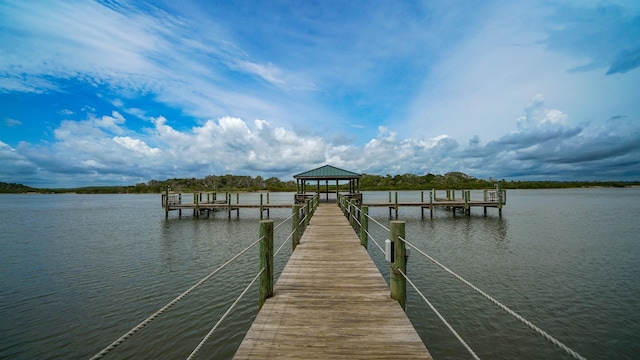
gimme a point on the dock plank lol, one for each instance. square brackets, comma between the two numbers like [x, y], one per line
[331, 302]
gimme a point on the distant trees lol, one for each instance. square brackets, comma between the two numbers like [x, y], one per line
[450, 180]
[368, 182]
[13, 188]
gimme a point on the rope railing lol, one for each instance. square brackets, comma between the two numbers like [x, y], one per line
[453, 331]
[369, 236]
[209, 334]
[206, 338]
[300, 226]
[505, 308]
[282, 222]
[377, 222]
[347, 208]
[374, 241]
[288, 237]
[148, 320]
[283, 243]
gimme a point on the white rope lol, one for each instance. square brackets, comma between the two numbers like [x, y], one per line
[206, 338]
[441, 318]
[303, 218]
[284, 242]
[540, 332]
[283, 221]
[374, 241]
[144, 323]
[375, 221]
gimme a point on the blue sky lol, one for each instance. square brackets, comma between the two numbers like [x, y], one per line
[121, 92]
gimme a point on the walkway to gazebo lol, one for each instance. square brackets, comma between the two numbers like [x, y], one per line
[327, 174]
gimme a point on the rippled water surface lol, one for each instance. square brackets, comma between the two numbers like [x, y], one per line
[79, 271]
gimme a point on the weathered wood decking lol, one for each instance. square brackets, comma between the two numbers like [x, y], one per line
[331, 302]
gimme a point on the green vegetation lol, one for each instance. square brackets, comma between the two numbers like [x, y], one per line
[368, 182]
[6, 188]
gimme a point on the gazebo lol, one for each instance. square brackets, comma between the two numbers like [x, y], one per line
[326, 174]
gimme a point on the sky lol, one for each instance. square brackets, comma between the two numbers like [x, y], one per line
[122, 92]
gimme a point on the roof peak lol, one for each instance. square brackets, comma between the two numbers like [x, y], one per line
[328, 172]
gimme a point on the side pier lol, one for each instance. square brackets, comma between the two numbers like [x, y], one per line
[331, 302]
[490, 199]
[206, 202]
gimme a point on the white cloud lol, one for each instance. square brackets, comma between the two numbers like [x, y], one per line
[112, 122]
[268, 72]
[136, 145]
[537, 116]
[548, 145]
[12, 122]
[15, 165]
[478, 83]
[65, 39]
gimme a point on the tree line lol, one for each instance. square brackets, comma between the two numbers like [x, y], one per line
[368, 182]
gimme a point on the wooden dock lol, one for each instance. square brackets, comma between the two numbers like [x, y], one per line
[331, 302]
[491, 199]
[209, 202]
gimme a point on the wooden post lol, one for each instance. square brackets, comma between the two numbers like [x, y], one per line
[351, 214]
[314, 203]
[307, 213]
[166, 203]
[268, 212]
[344, 204]
[266, 261]
[500, 199]
[397, 282]
[295, 226]
[465, 195]
[396, 205]
[364, 228]
[261, 206]
[432, 197]
[196, 212]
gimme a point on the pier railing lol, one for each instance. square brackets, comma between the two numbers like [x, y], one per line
[450, 199]
[397, 254]
[207, 202]
[300, 216]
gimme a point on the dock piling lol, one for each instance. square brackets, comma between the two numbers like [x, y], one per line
[364, 226]
[397, 282]
[295, 226]
[266, 261]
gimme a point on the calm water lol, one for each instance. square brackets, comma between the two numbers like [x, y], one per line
[78, 271]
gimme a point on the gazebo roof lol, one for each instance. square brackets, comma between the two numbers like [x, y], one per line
[327, 172]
